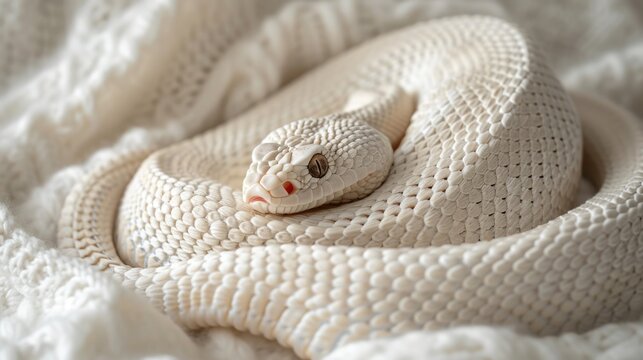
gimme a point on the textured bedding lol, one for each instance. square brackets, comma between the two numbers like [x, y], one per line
[82, 82]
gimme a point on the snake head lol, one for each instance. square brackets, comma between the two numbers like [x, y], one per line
[316, 161]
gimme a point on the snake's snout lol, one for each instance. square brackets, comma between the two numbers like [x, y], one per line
[268, 189]
[257, 193]
[272, 184]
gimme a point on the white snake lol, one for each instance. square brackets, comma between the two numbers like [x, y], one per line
[332, 159]
[467, 226]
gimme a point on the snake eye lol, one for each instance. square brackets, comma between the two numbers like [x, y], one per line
[318, 166]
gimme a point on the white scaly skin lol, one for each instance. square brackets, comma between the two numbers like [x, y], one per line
[488, 168]
[358, 156]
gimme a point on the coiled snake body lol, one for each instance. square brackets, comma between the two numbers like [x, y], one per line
[467, 226]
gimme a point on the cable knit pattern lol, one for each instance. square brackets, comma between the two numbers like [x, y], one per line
[113, 76]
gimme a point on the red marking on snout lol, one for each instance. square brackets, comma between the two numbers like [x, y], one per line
[289, 187]
[257, 198]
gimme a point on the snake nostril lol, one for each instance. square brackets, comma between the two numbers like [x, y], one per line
[289, 187]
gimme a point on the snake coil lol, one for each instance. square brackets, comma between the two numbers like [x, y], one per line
[474, 223]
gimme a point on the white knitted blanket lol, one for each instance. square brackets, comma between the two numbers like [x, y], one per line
[82, 81]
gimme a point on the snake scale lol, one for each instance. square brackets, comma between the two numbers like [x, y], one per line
[474, 222]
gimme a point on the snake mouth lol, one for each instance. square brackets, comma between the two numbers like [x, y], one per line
[256, 194]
